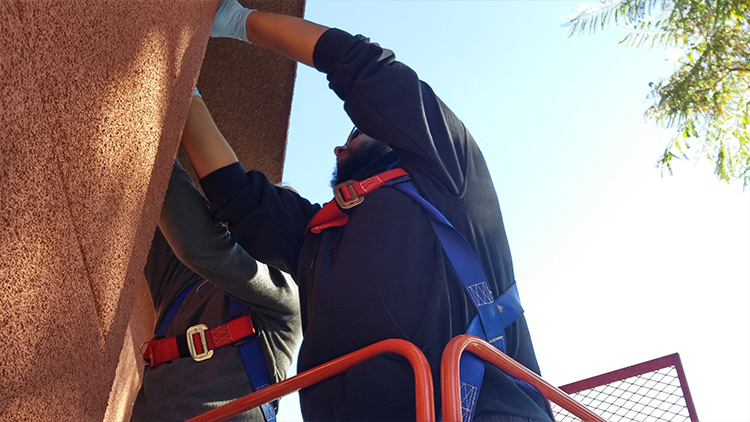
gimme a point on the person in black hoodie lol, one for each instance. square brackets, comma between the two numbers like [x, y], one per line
[375, 270]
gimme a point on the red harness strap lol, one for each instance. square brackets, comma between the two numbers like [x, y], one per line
[200, 341]
[348, 195]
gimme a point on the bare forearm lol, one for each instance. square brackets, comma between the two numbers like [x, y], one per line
[291, 36]
[204, 144]
[288, 35]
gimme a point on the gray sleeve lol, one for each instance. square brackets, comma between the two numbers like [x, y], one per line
[207, 248]
[160, 269]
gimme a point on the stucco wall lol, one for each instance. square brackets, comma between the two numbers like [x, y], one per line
[93, 97]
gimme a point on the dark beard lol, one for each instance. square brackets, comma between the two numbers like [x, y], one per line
[357, 159]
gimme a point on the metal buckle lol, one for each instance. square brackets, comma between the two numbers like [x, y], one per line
[199, 329]
[142, 350]
[343, 203]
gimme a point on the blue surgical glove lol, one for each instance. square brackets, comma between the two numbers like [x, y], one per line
[229, 21]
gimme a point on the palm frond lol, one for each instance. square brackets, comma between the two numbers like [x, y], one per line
[588, 18]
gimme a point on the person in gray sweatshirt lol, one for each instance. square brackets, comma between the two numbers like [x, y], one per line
[220, 315]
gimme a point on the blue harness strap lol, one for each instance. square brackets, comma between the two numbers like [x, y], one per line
[255, 363]
[161, 331]
[250, 351]
[172, 312]
[493, 315]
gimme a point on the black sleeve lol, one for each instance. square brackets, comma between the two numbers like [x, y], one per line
[387, 101]
[206, 247]
[267, 220]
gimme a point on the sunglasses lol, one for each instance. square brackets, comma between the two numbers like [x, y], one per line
[353, 134]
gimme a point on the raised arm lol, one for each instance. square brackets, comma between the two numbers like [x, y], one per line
[217, 166]
[206, 247]
[384, 98]
[290, 36]
[203, 142]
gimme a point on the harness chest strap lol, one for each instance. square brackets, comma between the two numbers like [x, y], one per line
[198, 342]
[348, 195]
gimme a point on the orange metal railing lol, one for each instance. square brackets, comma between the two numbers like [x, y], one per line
[449, 370]
[451, 383]
[422, 380]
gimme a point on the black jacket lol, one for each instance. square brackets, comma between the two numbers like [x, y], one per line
[384, 274]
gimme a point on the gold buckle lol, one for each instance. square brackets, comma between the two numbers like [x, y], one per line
[199, 329]
[344, 203]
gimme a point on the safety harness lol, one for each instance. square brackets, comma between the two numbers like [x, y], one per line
[199, 343]
[493, 315]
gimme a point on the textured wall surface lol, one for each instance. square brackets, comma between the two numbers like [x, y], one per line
[94, 97]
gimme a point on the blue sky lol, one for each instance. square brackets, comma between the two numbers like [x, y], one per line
[616, 264]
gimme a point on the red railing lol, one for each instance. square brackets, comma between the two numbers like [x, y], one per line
[451, 383]
[422, 381]
[449, 370]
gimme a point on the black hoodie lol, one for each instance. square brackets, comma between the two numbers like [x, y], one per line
[384, 274]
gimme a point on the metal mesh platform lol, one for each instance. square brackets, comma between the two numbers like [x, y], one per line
[651, 391]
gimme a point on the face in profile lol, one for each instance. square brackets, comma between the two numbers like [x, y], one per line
[359, 150]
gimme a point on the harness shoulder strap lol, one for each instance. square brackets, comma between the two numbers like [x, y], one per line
[166, 322]
[493, 315]
[172, 312]
[255, 362]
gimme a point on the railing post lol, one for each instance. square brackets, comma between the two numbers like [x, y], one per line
[451, 382]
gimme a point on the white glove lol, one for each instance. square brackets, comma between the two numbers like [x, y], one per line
[229, 21]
